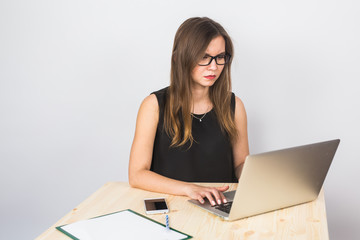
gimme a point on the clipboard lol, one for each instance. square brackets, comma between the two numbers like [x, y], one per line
[125, 224]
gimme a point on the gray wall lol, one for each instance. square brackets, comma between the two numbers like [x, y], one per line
[73, 74]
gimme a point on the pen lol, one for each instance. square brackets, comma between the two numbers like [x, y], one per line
[167, 222]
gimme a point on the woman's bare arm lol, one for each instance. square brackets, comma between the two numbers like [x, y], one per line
[241, 145]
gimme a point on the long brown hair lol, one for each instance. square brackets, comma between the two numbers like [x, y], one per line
[191, 41]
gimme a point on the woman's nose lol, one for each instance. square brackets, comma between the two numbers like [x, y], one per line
[213, 65]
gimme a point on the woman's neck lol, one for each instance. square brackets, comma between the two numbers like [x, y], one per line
[201, 102]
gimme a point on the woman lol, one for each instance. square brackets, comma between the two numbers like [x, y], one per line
[196, 129]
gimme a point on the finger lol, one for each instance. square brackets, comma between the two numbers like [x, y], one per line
[210, 198]
[217, 195]
[201, 200]
[223, 188]
[223, 198]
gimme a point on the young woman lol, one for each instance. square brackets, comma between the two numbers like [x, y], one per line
[195, 130]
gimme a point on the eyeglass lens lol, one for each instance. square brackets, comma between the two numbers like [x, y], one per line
[220, 59]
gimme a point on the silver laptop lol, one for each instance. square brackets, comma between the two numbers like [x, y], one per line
[277, 179]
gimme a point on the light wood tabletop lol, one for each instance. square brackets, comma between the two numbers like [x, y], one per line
[306, 221]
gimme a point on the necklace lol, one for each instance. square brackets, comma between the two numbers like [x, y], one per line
[200, 119]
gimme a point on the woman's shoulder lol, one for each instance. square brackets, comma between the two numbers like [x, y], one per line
[237, 104]
[161, 93]
[238, 101]
[149, 103]
[240, 111]
[155, 101]
[160, 96]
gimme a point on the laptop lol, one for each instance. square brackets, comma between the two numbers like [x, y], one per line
[277, 179]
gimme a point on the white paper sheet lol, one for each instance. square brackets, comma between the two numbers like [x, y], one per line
[120, 225]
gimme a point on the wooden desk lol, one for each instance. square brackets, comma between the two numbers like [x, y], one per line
[306, 221]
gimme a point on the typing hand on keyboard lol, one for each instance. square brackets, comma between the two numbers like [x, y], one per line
[225, 207]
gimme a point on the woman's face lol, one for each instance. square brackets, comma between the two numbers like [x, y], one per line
[206, 76]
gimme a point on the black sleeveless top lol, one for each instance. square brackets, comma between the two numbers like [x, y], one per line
[210, 157]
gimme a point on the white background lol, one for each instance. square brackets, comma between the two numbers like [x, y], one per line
[73, 74]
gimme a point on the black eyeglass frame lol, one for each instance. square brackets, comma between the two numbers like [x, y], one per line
[226, 55]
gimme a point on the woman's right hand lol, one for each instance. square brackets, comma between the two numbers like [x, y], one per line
[213, 194]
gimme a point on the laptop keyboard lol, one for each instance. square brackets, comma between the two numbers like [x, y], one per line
[225, 207]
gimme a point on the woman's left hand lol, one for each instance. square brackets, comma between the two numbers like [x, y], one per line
[213, 194]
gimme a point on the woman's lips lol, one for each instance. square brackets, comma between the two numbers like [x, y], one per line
[210, 77]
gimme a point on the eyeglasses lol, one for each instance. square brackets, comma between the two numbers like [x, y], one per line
[220, 59]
